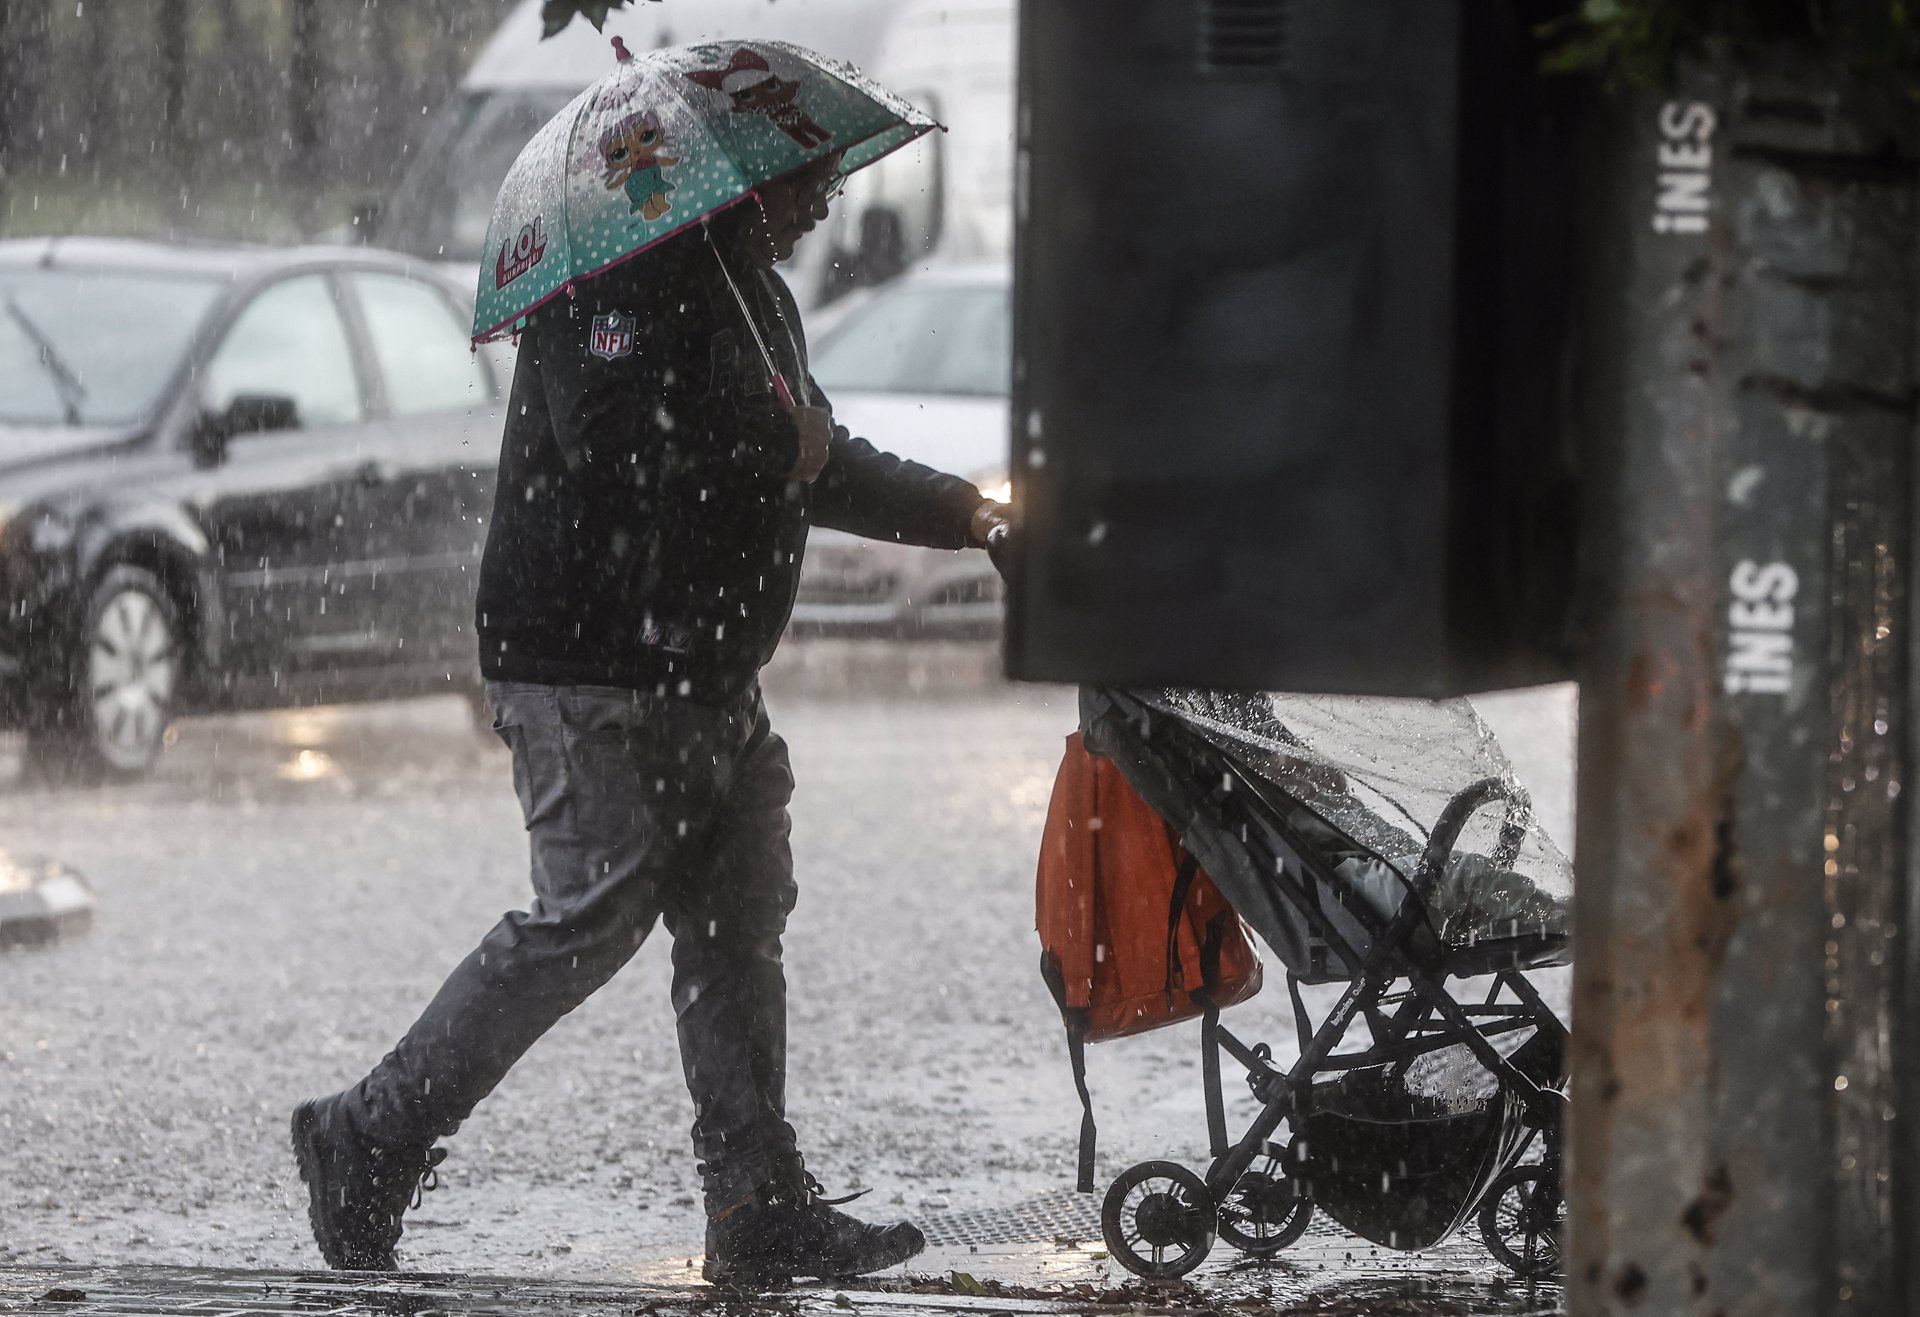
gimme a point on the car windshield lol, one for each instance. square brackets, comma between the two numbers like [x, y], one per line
[922, 339]
[90, 347]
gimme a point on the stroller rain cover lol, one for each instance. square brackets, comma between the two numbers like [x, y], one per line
[1361, 783]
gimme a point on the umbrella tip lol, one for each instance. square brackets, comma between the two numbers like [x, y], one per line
[620, 52]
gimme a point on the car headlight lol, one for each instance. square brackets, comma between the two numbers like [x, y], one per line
[50, 531]
[34, 528]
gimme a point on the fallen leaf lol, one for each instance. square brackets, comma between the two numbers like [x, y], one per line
[964, 1283]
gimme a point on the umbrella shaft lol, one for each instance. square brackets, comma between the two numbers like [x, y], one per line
[780, 388]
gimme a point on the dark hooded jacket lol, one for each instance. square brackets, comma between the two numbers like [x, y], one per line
[644, 532]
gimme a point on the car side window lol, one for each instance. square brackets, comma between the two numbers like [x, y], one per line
[289, 343]
[421, 345]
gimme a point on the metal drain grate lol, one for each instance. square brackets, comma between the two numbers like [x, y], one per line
[1049, 1218]
[1061, 1214]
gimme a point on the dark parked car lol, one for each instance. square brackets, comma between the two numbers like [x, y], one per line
[231, 478]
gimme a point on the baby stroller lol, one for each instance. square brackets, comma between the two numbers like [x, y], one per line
[1384, 846]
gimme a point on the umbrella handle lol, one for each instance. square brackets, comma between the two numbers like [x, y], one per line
[780, 389]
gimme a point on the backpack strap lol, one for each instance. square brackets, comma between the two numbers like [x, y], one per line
[1176, 907]
[1209, 1009]
[1075, 1020]
[1089, 1132]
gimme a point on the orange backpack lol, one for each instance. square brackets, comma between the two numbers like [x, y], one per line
[1133, 934]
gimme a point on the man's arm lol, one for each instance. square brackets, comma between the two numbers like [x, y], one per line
[882, 497]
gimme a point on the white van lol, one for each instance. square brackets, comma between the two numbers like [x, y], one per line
[946, 197]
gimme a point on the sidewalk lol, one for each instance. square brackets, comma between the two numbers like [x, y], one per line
[1328, 1274]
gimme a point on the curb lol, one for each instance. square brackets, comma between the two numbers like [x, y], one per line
[40, 900]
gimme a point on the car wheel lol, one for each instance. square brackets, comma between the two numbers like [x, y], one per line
[111, 719]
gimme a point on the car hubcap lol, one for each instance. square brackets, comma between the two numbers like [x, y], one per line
[131, 669]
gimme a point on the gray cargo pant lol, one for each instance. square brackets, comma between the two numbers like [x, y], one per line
[637, 807]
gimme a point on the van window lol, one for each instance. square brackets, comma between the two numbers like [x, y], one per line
[445, 204]
[289, 343]
[893, 209]
[422, 350]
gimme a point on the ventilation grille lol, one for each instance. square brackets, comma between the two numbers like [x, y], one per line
[1047, 1218]
[1242, 36]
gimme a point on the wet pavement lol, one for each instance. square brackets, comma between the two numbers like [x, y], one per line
[221, 1293]
[281, 897]
[1326, 1273]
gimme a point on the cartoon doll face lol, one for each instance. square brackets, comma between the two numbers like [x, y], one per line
[765, 96]
[750, 83]
[633, 143]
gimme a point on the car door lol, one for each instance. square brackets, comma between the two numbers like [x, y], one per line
[288, 509]
[438, 441]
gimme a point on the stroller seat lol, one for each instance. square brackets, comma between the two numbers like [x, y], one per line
[1486, 918]
[1481, 915]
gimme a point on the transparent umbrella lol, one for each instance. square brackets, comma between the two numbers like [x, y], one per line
[663, 142]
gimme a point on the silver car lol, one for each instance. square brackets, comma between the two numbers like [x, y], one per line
[920, 368]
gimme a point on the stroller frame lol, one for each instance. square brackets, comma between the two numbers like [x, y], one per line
[1422, 1018]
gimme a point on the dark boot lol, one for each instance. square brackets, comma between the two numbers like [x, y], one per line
[787, 1231]
[356, 1191]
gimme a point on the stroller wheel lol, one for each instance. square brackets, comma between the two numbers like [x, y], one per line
[1522, 1220]
[1158, 1220]
[1264, 1212]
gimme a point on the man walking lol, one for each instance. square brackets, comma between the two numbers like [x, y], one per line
[652, 511]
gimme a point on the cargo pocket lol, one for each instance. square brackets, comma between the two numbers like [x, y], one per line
[612, 764]
[540, 776]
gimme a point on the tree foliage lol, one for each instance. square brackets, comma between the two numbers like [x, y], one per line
[258, 119]
[556, 14]
[1638, 40]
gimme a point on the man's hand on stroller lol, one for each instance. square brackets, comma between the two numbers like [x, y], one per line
[989, 517]
[814, 426]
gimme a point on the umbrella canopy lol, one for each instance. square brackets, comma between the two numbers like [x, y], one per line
[666, 140]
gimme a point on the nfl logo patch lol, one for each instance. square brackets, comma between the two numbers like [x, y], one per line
[612, 336]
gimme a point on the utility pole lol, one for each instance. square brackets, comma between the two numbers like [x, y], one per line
[1741, 1135]
[306, 104]
[10, 108]
[176, 143]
